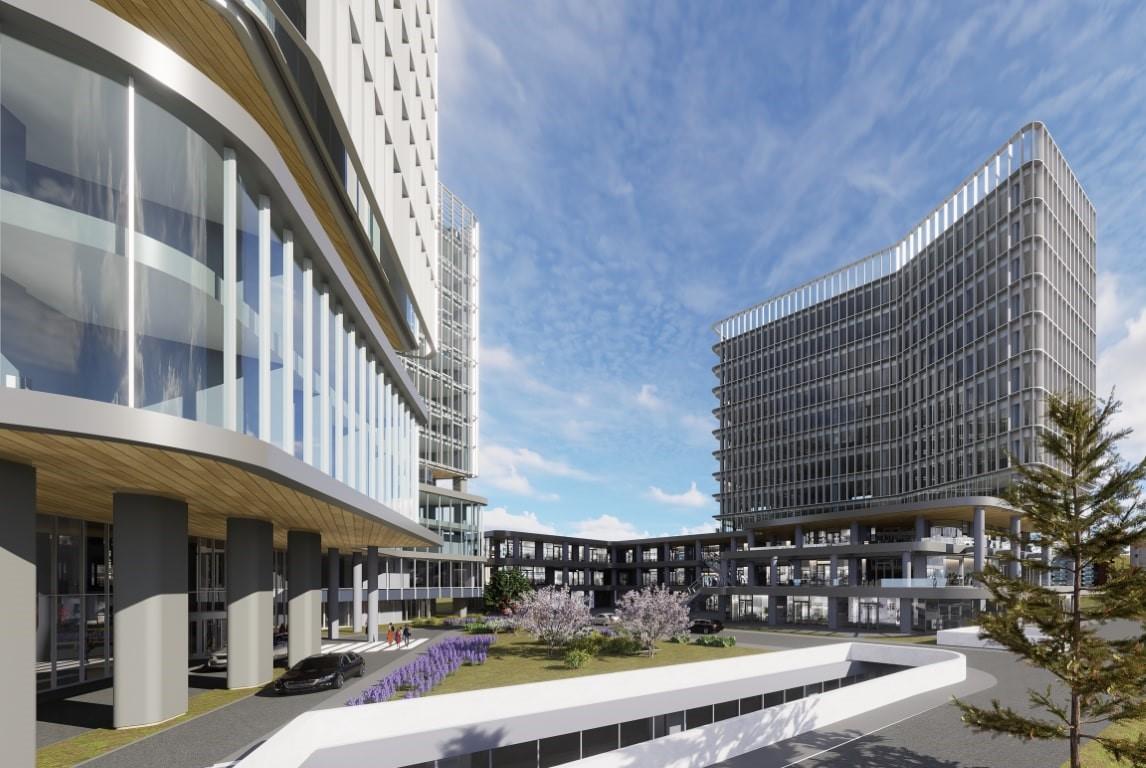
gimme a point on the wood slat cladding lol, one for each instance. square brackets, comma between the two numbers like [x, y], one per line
[76, 477]
[199, 34]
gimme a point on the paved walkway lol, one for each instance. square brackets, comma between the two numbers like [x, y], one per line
[224, 735]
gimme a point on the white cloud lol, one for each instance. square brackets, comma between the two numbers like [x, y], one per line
[606, 527]
[501, 519]
[709, 527]
[647, 398]
[499, 359]
[505, 468]
[1123, 365]
[690, 498]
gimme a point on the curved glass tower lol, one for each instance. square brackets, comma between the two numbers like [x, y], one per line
[218, 236]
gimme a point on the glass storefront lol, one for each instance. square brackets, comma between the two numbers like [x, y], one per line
[73, 601]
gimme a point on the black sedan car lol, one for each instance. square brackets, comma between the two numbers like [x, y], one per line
[327, 670]
[705, 627]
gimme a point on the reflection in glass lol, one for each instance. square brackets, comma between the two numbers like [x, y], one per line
[178, 269]
[247, 362]
[63, 149]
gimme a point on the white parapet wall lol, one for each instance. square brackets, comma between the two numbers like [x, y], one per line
[969, 637]
[418, 731]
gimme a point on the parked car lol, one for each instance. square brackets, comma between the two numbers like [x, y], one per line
[705, 627]
[603, 619]
[325, 670]
[218, 659]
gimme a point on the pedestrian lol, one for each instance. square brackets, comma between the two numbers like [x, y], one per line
[392, 635]
[406, 634]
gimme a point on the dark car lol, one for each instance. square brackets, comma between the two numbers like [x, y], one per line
[705, 627]
[327, 670]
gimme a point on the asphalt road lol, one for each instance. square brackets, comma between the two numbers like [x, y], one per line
[228, 733]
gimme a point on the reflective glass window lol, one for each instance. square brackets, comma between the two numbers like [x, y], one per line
[63, 266]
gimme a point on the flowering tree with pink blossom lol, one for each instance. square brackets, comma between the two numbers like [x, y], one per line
[553, 615]
[652, 614]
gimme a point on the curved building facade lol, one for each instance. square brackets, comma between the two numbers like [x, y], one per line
[882, 404]
[218, 236]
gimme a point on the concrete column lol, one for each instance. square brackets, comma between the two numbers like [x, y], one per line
[853, 571]
[372, 594]
[333, 589]
[907, 565]
[833, 571]
[979, 532]
[773, 610]
[905, 615]
[356, 585]
[751, 537]
[150, 626]
[855, 533]
[920, 528]
[304, 597]
[1017, 546]
[752, 580]
[250, 581]
[798, 536]
[774, 572]
[833, 613]
[18, 629]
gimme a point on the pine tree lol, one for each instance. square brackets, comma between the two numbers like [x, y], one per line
[1085, 503]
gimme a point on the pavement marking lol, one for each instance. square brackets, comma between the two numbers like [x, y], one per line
[380, 646]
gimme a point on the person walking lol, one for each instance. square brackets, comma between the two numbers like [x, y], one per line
[406, 635]
[390, 636]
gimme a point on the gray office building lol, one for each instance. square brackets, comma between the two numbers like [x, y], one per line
[868, 418]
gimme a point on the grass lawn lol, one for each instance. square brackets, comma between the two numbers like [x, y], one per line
[1094, 756]
[69, 752]
[516, 659]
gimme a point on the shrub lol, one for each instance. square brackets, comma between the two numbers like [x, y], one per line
[575, 658]
[716, 641]
[421, 675]
[554, 615]
[591, 643]
[681, 639]
[621, 645]
[479, 629]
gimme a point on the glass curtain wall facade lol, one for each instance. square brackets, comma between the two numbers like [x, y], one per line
[916, 373]
[142, 263]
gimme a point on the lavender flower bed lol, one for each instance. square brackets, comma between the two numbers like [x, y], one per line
[421, 675]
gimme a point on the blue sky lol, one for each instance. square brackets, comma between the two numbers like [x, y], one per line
[644, 169]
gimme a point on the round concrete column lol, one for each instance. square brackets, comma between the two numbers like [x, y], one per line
[356, 587]
[979, 533]
[905, 608]
[833, 570]
[906, 567]
[250, 577]
[304, 595]
[18, 629]
[150, 620]
[855, 533]
[1017, 546]
[921, 531]
[333, 591]
[372, 594]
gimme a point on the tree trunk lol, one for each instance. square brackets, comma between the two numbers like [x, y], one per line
[1076, 610]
